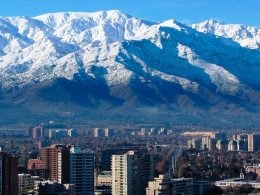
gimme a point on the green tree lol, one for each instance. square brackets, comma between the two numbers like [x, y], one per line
[214, 191]
[246, 189]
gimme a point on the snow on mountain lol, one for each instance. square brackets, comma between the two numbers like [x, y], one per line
[62, 45]
[10, 39]
[93, 28]
[225, 81]
[246, 36]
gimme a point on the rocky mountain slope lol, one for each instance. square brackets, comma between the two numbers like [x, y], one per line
[91, 65]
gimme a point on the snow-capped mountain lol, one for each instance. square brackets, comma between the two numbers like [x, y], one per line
[246, 36]
[109, 57]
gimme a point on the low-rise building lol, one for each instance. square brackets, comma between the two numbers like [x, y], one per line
[201, 187]
[104, 179]
[211, 134]
[163, 185]
[254, 169]
[26, 183]
[237, 182]
[50, 187]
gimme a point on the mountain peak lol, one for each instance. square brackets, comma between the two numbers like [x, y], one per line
[81, 15]
[172, 24]
[246, 36]
[212, 22]
[110, 58]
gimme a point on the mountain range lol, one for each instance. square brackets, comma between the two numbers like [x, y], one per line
[109, 66]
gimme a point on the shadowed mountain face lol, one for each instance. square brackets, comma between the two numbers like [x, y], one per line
[108, 66]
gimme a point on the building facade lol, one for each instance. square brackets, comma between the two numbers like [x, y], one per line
[253, 142]
[82, 171]
[163, 185]
[8, 174]
[55, 157]
[208, 143]
[37, 132]
[26, 183]
[131, 172]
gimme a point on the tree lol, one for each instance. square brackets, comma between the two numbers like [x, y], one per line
[246, 189]
[214, 191]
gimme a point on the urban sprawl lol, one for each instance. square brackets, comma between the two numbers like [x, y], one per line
[62, 159]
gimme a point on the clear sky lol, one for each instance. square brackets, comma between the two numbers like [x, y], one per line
[188, 11]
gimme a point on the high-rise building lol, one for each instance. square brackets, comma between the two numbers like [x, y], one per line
[8, 174]
[145, 169]
[222, 145]
[108, 132]
[72, 132]
[241, 140]
[208, 143]
[35, 168]
[61, 133]
[131, 173]
[153, 131]
[194, 144]
[121, 177]
[163, 131]
[97, 132]
[57, 133]
[64, 164]
[232, 145]
[67, 164]
[242, 145]
[107, 154]
[253, 142]
[189, 144]
[37, 132]
[82, 171]
[240, 136]
[49, 157]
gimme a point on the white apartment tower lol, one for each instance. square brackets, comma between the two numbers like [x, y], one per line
[131, 173]
[121, 176]
[253, 142]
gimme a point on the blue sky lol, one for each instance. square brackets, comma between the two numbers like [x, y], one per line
[188, 11]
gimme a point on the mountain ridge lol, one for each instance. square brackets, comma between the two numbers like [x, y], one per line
[111, 60]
